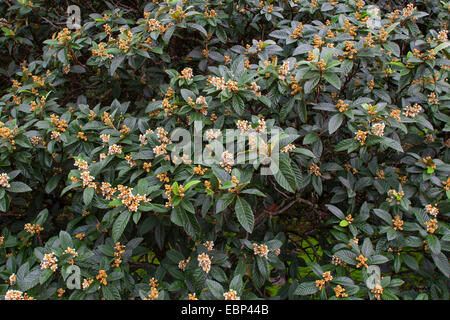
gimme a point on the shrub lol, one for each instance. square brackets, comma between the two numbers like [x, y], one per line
[357, 202]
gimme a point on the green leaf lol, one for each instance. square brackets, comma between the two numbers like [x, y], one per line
[237, 284]
[244, 214]
[47, 273]
[62, 56]
[377, 259]
[52, 183]
[88, 194]
[347, 256]
[441, 261]
[304, 152]
[66, 240]
[316, 268]
[142, 186]
[343, 223]
[175, 256]
[392, 47]
[391, 143]
[285, 175]
[110, 292]
[336, 211]
[199, 28]
[238, 104]
[311, 84]
[30, 280]
[384, 215]
[115, 203]
[120, 224]
[367, 248]
[442, 46]
[335, 122]
[185, 219]
[263, 267]
[186, 94]
[333, 79]
[115, 64]
[254, 191]
[191, 225]
[410, 262]
[42, 217]
[191, 184]
[306, 288]
[346, 144]
[215, 288]
[18, 187]
[286, 109]
[433, 244]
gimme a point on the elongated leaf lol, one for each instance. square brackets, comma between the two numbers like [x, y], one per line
[18, 187]
[263, 267]
[434, 244]
[285, 175]
[335, 122]
[333, 79]
[306, 288]
[120, 224]
[441, 261]
[215, 288]
[88, 194]
[244, 214]
[115, 64]
[336, 211]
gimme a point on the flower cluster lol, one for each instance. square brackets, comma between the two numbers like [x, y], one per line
[212, 134]
[227, 161]
[12, 279]
[154, 294]
[130, 200]
[283, 70]
[341, 106]
[107, 190]
[378, 129]
[86, 283]
[261, 250]
[4, 180]
[394, 195]
[119, 250]
[337, 262]
[362, 261]
[17, 295]
[186, 74]
[377, 291]
[33, 228]
[102, 277]
[204, 261]
[183, 263]
[49, 262]
[398, 223]
[114, 149]
[431, 225]
[361, 136]
[73, 252]
[340, 292]
[209, 245]
[327, 277]
[412, 111]
[192, 296]
[231, 295]
[314, 169]
[434, 211]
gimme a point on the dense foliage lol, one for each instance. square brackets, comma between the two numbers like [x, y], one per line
[359, 94]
